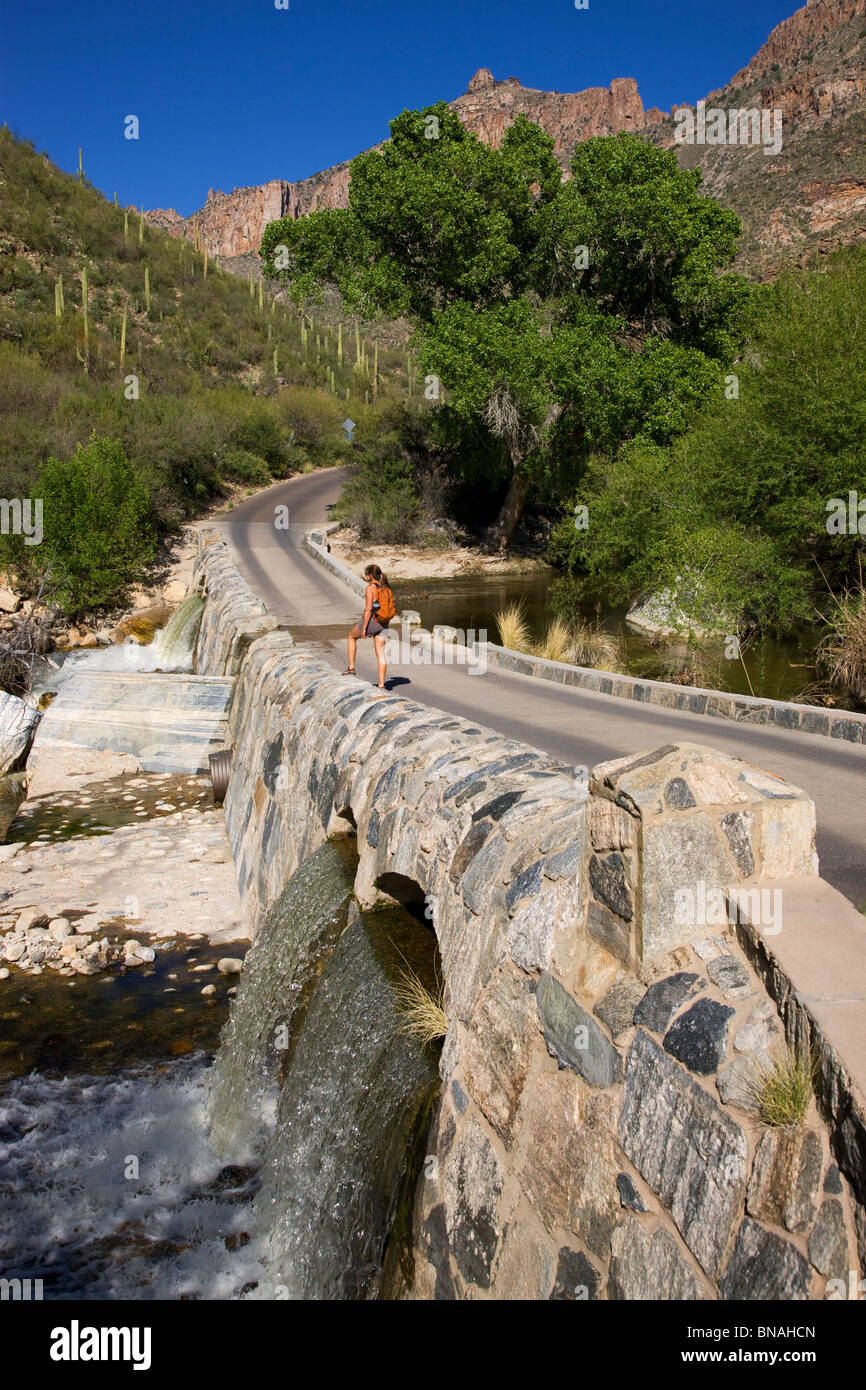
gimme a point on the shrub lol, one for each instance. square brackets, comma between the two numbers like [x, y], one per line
[380, 498]
[98, 532]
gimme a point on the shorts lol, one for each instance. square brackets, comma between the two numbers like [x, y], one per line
[374, 627]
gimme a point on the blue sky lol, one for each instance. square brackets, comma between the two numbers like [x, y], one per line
[233, 92]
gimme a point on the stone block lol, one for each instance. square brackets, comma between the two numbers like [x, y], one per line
[689, 1151]
[473, 1184]
[786, 1177]
[646, 1267]
[765, 1267]
[576, 1278]
[568, 1164]
[661, 1001]
[699, 1036]
[573, 1037]
[616, 1007]
[828, 1241]
[497, 1049]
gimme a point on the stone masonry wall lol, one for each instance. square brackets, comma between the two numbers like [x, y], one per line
[597, 1135]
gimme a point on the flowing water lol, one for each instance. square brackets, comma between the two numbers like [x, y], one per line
[134, 1166]
[313, 1062]
[296, 936]
[171, 650]
[353, 1108]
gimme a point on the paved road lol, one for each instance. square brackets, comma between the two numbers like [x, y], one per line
[574, 725]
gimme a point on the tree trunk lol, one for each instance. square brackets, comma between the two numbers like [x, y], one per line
[499, 535]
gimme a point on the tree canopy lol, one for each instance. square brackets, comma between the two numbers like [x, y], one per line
[561, 318]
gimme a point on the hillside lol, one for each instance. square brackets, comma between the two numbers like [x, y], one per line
[228, 384]
[811, 195]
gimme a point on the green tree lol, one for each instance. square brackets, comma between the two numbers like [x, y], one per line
[548, 314]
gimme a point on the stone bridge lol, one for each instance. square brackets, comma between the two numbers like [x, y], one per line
[622, 951]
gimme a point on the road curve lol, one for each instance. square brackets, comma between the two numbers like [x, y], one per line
[576, 726]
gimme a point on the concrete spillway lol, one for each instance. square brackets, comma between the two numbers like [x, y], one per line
[170, 723]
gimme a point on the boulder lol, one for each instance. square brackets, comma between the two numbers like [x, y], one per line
[17, 723]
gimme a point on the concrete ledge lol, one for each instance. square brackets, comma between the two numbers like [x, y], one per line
[814, 969]
[746, 709]
[315, 543]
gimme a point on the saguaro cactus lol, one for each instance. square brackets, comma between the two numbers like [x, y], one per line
[340, 344]
[123, 337]
[80, 166]
[376, 369]
[86, 358]
[147, 289]
[58, 298]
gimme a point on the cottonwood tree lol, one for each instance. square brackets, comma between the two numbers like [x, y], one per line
[540, 305]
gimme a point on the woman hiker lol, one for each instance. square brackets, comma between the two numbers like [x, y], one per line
[378, 612]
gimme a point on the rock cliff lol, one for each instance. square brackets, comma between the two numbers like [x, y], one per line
[811, 195]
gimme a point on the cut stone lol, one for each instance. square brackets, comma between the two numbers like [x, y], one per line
[736, 1083]
[730, 975]
[737, 826]
[698, 1036]
[678, 795]
[609, 880]
[616, 1007]
[649, 1267]
[628, 1193]
[569, 1164]
[496, 1053]
[828, 1242]
[575, 1277]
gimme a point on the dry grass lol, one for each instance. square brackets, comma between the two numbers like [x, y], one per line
[592, 646]
[842, 652]
[556, 644]
[578, 642]
[513, 629]
[783, 1090]
[424, 1016]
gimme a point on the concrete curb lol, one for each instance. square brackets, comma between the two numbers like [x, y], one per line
[742, 709]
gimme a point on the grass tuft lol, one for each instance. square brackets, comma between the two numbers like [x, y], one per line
[784, 1089]
[424, 1016]
[513, 628]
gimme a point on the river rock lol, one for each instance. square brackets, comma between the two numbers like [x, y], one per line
[145, 953]
[15, 950]
[230, 965]
[209, 989]
[4, 973]
[31, 917]
[698, 1036]
[60, 927]
[132, 961]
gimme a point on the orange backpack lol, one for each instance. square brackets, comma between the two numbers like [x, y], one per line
[384, 606]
